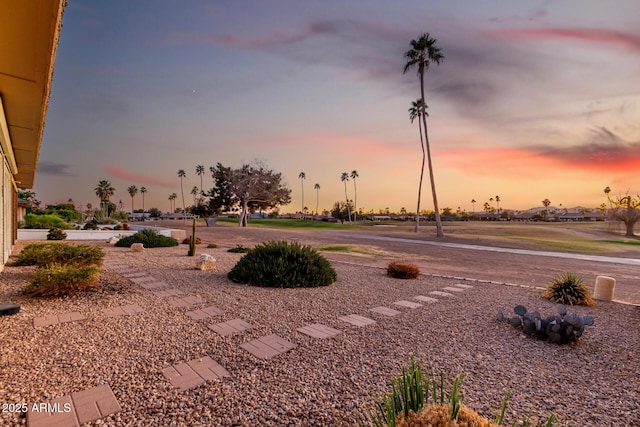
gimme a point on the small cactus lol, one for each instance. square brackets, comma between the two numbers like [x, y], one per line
[192, 240]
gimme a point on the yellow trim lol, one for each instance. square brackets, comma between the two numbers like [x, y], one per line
[5, 141]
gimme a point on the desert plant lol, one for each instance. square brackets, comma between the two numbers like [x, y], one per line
[239, 249]
[403, 270]
[283, 265]
[561, 328]
[149, 238]
[60, 280]
[43, 254]
[211, 245]
[193, 240]
[91, 225]
[56, 234]
[569, 288]
[187, 241]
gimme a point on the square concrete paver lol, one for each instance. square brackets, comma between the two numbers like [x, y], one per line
[463, 286]
[267, 347]
[318, 330]
[168, 293]
[122, 310]
[78, 408]
[55, 319]
[453, 289]
[425, 299]
[193, 373]
[356, 320]
[230, 327]
[153, 285]
[408, 304]
[440, 294]
[187, 301]
[385, 310]
[204, 313]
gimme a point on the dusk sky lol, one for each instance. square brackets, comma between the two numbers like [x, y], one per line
[534, 100]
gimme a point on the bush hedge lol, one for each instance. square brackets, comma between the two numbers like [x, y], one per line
[43, 254]
[149, 238]
[283, 265]
[45, 221]
[59, 280]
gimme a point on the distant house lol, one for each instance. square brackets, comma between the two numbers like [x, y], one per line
[29, 33]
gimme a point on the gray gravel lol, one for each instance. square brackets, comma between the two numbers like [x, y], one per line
[594, 382]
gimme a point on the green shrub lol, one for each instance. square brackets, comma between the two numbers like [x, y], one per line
[149, 238]
[43, 254]
[239, 249]
[403, 270]
[91, 225]
[283, 265]
[45, 221]
[60, 280]
[568, 288]
[56, 234]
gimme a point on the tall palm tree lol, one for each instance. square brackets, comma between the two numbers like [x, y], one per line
[200, 172]
[344, 178]
[194, 192]
[143, 190]
[302, 177]
[423, 53]
[416, 112]
[473, 203]
[182, 174]
[354, 175]
[498, 203]
[170, 203]
[104, 190]
[132, 190]
[317, 188]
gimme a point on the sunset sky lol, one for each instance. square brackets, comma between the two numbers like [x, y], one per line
[534, 100]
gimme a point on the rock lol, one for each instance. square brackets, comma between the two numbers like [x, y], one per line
[113, 240]
[137, 247]
[206, 262]
[8, 309]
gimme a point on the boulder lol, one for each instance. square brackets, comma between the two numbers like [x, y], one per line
[137, 247]
[113, 240]
[206, 262]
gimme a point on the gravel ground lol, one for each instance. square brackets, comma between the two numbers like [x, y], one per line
[594, 382]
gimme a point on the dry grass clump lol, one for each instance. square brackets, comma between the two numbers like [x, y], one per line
[441, 416]
[403, 270]
[188, 241]
[60, 280]
[569, 289]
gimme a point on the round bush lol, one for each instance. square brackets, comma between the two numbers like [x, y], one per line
[56, 234]
[569, 289]
[149, 238]
[60, 280]
[283, 265]
[403, 270]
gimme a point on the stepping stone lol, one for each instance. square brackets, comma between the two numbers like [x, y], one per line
[143, 279]
[168, 293]
[453, 289]
[193, 373]
[408, 304]
[153, 285]
[122, 310]
[204, 313]
[460, 285]
[9, 309]
[425, 299]
[134, 274]
[318, 330]
[269, 346]
[78, 408]
[441, 294]
[185, 301]
[230, 327]
[385, 310]
[56, 319]
[356, 320]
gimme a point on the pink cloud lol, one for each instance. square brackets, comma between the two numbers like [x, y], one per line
[118, 172]
[621, 39]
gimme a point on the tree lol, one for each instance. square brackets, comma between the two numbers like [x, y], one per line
[626, 209]
[498, 203]
[200, 172]
[341, 211]
[302, 177]
[354, 175]
[104, 190]
[546, 203]
[473, 203]
[317, 188]
[607, 190]
[132, 190]
[155, 213]
[194, 193]
[423, 53]
[143, 191]
[344, 178]
[182, 174]
[416, 112]
[249, 187]
[172, 202]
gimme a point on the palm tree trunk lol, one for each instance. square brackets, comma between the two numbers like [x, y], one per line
[421, 176]
[439, 232]
[355, 201]
[184, 220]
[347, 201]
[317, 200]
